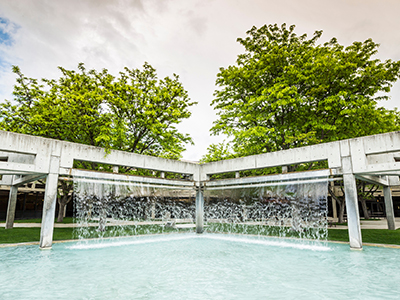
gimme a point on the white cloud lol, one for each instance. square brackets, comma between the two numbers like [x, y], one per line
[191, 38]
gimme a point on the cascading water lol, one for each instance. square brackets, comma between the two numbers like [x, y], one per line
[105, 208]
[278, 209]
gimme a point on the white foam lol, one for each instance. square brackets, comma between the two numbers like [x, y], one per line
[266, 242]
[145, 240]
[130, 242]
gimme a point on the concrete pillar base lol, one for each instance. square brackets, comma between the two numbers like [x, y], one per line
[49, 205]
[12, 203]
[387, 193]
[353, 216]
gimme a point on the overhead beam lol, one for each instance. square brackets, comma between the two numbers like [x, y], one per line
[374, 179]
[28, 178]
[12, 168]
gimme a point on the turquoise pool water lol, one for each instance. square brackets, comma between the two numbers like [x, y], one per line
[189, 266]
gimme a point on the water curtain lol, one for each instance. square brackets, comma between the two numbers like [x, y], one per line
[291, 209]
[107, 208]
[119, 208]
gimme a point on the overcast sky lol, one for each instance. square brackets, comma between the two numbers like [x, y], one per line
[192, 38]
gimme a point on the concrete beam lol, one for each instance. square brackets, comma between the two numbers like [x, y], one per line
[380, 143]
[394, 180]
[328, 151]
[374, 179]
[273, 179]
[16, 168]
[6, 179]
[131, 179]
[28, 178]
[71, 152]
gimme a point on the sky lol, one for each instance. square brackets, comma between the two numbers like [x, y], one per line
[192, 38]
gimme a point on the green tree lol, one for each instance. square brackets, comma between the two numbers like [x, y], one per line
[145, 111]
[216, 152]
[287, 91]
[134, 112]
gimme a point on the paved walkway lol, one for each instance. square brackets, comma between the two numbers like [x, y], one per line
[376, 224]
[183, 223]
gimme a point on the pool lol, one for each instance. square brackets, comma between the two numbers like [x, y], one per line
[208, 266]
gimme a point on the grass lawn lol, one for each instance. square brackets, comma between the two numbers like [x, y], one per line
[65, 221]
[22, 235]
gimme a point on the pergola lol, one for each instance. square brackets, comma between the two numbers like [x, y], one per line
[375, 159]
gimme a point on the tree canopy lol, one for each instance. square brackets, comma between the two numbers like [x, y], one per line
[135, 112]
[288, 91]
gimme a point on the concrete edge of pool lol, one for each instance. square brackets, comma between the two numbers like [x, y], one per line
[393, 246]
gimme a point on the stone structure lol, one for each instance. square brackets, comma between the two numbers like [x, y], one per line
[375, 159]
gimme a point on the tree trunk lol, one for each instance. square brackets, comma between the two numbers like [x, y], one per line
[364, 208]
[341, 202]
[63, 200]
[61, 209]
[341, 212]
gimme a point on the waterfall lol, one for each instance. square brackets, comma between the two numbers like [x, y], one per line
[110, 208]
[105, 208]
[278, 209]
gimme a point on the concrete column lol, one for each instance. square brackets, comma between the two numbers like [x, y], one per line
[102, 217]
[387, 193]
[334, 207]
[237, 174]
[162, 175]
[12, 203]
[199, 210]
[153, 210]
[49, 204]
[353, 216]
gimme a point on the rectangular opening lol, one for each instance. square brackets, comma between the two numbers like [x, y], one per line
[310, 166]
[93, 166]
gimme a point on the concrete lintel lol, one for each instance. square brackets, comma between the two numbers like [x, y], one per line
[71, 152]
[273, 178]
[394, 180]
[28, 178]
[328, 151]
[13, 168]
[374, 179]
[6, 179]
[388, 168]
[380, 143]
[95, 175]
[385, 173]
